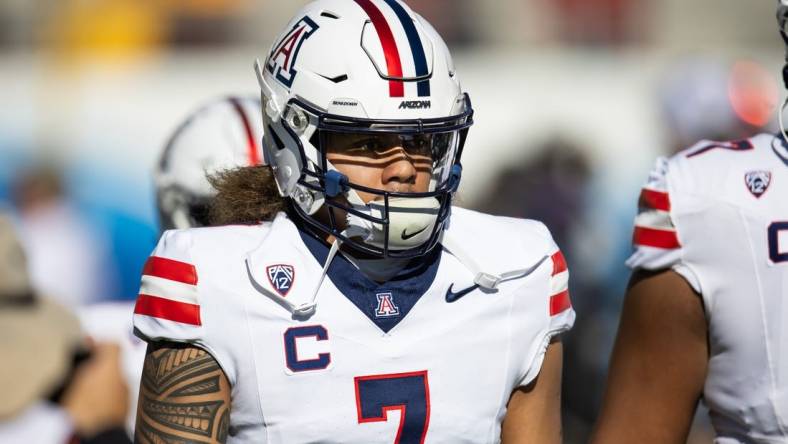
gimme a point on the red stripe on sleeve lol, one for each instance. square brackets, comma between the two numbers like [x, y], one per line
[559, 263]
[560, 302]
[651, 237]
[170, 269]
[654, 199]
[393, 62]
[166, 309]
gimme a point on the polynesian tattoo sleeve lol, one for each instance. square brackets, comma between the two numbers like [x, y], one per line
[184, 397]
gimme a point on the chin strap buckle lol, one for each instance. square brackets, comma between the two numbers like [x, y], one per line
[306, 309]
[336, 183]
[487, 281]
[454, 177]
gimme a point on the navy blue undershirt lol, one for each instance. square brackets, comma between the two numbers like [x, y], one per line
[385, 304]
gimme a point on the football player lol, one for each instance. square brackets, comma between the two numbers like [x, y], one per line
[705, 312]
[221, 134]
[350, 302]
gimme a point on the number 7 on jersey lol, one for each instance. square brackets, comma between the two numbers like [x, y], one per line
[409, 393]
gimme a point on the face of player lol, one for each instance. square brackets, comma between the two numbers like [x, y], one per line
[387, 162]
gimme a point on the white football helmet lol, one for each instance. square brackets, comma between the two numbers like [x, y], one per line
[223, 134]
[782, 21]
[363, 67]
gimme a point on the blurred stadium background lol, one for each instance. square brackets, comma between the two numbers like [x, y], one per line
[574, 99]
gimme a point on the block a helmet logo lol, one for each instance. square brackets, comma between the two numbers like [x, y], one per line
[282, 60]
[758, 182]
[281, 277]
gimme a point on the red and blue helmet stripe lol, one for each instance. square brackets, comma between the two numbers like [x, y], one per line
[391, 50]
[416, 47]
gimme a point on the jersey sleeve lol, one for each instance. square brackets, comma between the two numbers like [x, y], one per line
[656, 236]
[556, 313]
[562, 315]
[168, 304]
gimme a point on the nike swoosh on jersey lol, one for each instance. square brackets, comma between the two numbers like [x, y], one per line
[406, 236]
[454, 297]
[518, 274]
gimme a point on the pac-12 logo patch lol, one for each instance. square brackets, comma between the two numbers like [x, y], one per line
[386, 307]
[281, 277]
[758, 182]
[282, 60]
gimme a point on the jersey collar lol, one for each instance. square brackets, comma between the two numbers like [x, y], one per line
[385, 304]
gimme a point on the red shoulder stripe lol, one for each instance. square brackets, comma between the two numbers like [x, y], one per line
[657, 200]
[559, 263]
[167, 309]
[651, 237]
[170, 269]
[560, 302]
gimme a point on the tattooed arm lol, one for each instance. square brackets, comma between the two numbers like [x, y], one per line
[184, 397]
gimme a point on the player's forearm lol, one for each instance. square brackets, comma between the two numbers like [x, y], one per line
[644, 409]
[543, 434]
[184, 397]
[638, 425]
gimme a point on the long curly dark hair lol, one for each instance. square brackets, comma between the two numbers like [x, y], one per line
[246, 196]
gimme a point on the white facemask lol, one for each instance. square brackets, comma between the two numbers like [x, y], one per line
[411, 221]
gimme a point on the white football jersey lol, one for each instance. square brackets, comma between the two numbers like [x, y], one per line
[717, 213]
[426, 357]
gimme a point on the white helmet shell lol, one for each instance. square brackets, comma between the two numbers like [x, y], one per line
[371, 63]
[223, 134]
[388, 41]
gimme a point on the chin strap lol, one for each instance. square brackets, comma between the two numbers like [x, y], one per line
[307, 309]
[487, 281]
[304, 309]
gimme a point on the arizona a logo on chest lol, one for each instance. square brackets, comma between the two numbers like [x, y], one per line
[386, 307]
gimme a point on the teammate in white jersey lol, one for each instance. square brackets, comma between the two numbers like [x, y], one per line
[705, 315]
[224, 133]
[351, 302]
